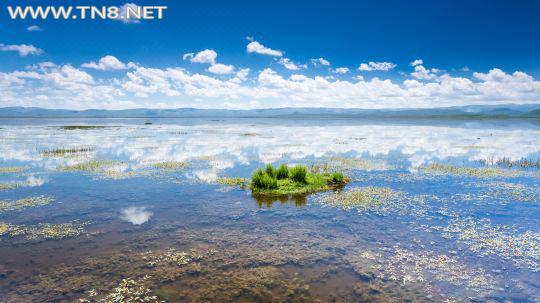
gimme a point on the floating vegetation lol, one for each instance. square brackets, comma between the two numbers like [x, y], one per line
[43, 231]
[170, 165]
[91, 166]
[67, 152]
[12, 169]
[476, 172]
[24, 203]
[170, 256]
[129, 290]
[294, 180]
[80, 127]
[504, 241]
[506, 192]
[232, 181]
[7, 186]
[410, 267]
[360, 163]
[522, 163]
[361, 198]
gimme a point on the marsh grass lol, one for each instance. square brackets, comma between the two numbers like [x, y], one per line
[65, 152]
[24, 203]
[360, 197]
[298, 180]
[7, 186]
[505, 162]
[12, 169]
[170, 165]
[80, 127]
[91, 166]
[232, 181]
[476, 172]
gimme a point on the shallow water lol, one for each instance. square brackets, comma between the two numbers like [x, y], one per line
[128, 199]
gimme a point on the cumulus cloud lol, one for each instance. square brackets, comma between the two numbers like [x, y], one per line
[23, 49]
[417, 62]
[34, 28]
[288, 64]
[376, 66]
[135, 215]
[320, 61]
[63, 86]
[221, 69]
[206, 56]
[107, 63]
[256, 47]
[341, 70]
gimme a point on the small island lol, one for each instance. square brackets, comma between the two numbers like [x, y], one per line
[293, 181]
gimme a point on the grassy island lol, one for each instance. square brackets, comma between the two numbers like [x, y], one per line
[293, 180]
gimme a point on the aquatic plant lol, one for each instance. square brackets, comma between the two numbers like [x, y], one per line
[232, 181]
[359, 197]
[169, 256]
[91, 166]
[476, 172]
[64, 152]
[43, 231]
[128, 290]
[298, 173]
[282, 172]
[80, 127]
[24, 203]
[170, 165]
[12, 169]
[6, 186]
[298, 181]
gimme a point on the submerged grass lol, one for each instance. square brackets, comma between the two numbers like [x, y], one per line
[294, 180]
[91, 166]
[24, 203]
[42, 231]
[128, 290]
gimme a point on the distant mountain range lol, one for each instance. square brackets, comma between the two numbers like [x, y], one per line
[465, 112]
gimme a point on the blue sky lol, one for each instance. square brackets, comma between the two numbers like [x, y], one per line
[470, 52]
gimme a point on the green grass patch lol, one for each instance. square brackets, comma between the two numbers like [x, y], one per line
[294, 180]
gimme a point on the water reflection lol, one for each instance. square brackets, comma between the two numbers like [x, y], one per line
[268, 200]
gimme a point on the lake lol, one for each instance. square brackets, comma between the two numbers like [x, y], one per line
[436, 210]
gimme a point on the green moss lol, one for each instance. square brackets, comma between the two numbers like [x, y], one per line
[298, 181]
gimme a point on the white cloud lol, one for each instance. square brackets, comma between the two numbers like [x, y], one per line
[107, 63]
[376, 66]
[341, 70]
[206, 56]
[422, 73]
[288, 64]
[135, 215]
[221, 69]
[23, 49]
[63, 86]
[320, 61]
[129, 13]
[256, 47]
[34, 28]
[417, 62]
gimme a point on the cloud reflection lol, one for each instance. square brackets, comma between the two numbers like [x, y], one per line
[135, 215]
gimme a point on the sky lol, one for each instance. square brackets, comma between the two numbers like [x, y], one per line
[261, 54]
